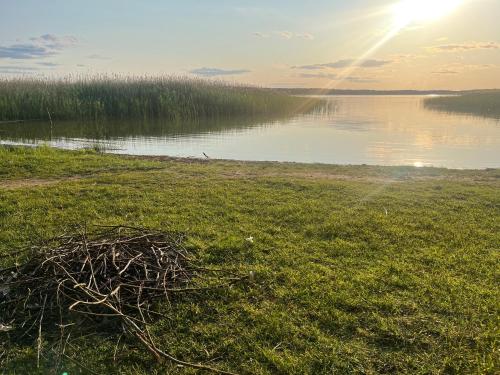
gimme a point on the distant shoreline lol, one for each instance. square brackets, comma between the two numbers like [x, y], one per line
[318, 91]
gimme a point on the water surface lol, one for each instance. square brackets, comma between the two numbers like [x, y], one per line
[376, 130]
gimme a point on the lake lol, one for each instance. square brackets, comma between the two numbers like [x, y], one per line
[375, 130]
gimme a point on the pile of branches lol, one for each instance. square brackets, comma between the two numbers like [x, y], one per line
[117, 273]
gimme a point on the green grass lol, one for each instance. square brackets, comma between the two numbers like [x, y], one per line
[341, 286]
[114, 97]
[485, 104]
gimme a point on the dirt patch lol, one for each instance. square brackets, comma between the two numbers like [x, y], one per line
[36, 182]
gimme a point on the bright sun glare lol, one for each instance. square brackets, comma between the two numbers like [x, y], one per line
[410, 11]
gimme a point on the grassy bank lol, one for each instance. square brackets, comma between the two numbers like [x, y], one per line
[358, 269]
[485, 104]
[102, 97]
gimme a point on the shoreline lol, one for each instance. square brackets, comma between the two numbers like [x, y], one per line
[189, 159]
[200, 160]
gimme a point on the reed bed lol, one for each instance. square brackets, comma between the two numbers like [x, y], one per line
[118, 97]
[486, 104]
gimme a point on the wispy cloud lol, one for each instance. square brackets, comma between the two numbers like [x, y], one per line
[306, 36]
[38, 47]
[96, 56]
[216, 72]
[445, 71]
[458, 68]
[6, 69]
[285, 34]
[361, 80]
[48, 64]
[336, 77]
[319, 75]
[55, 42]
[24, 51]
[370, 63]
[442, 39]
[461, 47]
[258, 34]
[291, 35]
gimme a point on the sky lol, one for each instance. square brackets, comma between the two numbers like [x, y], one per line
[355, 44]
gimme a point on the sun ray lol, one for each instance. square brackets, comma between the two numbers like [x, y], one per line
[404, 13]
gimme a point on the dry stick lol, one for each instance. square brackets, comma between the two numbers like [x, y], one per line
[116, 347]
[39, 340]
[128, 264]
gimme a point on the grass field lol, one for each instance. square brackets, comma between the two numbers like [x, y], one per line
[358, 269]
[485, 104]
[110, 97]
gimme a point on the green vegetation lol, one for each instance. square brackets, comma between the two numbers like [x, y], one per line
[358, 269]
[105, 97]
[486, 104]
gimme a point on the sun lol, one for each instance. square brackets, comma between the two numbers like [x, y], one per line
[407, 12]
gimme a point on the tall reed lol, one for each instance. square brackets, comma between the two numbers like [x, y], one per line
[118, 97]
[486, 103]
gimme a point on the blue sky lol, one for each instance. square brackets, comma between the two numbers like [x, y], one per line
[314, 43]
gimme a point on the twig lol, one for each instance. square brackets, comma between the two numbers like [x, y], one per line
[39, 340]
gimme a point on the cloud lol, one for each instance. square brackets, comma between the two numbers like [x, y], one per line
[461, 68]
[405, 57]
[260, 35]
[361, 80]
[306, 36]
[6, 69]
[286, 34]
[216, 72]
[461, 47]
[38, 47]
[445, 71]
[55, 42]
[96, 56]
[24, 51]
[310, 67]
[27, 69]
[48, 64]
[336, 77]
[290, 35]
[319, 75]
[370, 63]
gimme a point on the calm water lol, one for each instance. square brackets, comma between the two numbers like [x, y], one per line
[381, 130]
